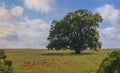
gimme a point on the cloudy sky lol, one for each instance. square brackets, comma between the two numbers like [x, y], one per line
[26, 23]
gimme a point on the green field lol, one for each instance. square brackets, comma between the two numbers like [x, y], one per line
[52, 61]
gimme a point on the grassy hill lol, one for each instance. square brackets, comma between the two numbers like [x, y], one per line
[52, 61]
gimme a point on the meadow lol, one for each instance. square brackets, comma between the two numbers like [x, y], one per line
[52, 61]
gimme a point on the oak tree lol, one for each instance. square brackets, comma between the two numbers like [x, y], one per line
[76, 31]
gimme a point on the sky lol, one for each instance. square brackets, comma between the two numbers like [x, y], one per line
[26, 23]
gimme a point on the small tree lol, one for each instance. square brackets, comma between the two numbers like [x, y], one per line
[76, 31]
[5, 65]
[110, 64]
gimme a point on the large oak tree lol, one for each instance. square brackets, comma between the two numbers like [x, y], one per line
[76, 31]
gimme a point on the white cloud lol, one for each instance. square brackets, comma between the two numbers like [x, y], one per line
[110, 37]
[4, 13]
[10, 14]
[111, 32]
[39, 5]
[29, 33]
[6, 29]
[7, 19]
[6, 25]
[109, 13]
[34, 28]
[17, 11]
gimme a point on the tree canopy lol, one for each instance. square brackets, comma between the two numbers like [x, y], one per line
[76, 31]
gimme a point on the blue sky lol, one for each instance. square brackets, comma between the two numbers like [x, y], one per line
[26, 23]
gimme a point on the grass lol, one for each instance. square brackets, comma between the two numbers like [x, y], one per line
[52, 61]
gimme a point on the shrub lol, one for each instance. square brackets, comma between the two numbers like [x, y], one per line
[2, 54]
[110, 64]
[5, 65]
[8, 63]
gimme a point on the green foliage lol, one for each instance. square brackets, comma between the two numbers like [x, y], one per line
[110, 64]
[8, 63]
[2, 54]
[76, 31]
[5, 69]
[5, 65]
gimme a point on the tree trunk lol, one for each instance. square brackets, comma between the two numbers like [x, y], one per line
[77, 51]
